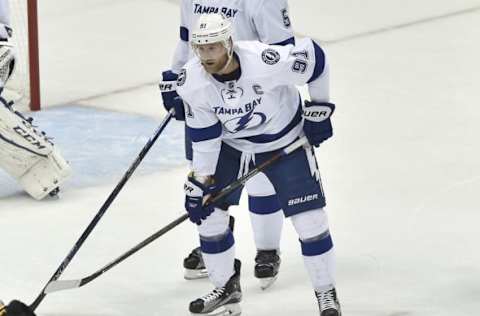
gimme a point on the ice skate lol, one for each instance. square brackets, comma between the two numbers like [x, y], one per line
[222, 301]
[267, 264]
[328, 303]
[194, 265]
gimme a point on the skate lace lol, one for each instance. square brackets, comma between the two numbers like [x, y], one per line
[214, 295]
[326, 299]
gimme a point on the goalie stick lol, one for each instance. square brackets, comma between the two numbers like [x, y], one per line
[28, 310]
[60, 285]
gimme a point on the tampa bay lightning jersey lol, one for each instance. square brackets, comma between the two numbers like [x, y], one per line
[266, 21]
[259, 112]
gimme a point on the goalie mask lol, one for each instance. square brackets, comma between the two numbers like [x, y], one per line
[212, 41]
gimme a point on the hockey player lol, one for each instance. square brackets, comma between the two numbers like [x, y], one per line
[266, 21]
[242, 106]
[26, 153]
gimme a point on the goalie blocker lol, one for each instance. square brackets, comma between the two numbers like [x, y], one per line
[28, 155]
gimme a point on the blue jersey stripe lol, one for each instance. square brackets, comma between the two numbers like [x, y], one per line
[290, 40]
[319, 62]
[267, 138]
[201, 134]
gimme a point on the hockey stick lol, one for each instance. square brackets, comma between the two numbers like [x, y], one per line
[102, 210]
[59, 285]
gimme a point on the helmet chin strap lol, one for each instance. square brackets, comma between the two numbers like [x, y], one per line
[230, 57]
[229, 60]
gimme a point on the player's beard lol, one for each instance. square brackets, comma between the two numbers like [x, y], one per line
[213, 66]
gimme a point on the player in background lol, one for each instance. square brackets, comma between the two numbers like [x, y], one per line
[26, 153]
[266, 21]
[242, 106]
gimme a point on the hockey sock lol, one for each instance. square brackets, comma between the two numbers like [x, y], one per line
[217, 245]
[267, 229]
[317, 247]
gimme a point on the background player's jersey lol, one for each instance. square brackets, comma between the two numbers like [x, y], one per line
[259, 112]
[266, 21]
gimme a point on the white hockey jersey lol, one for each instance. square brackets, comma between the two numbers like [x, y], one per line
[259, 112]
[266, 21]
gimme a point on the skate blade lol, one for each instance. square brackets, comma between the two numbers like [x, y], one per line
[195, 274]
[225, 310]
[265, 283]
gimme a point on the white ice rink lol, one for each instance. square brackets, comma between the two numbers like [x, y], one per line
[402, 174]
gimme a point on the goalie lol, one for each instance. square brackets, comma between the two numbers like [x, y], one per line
[26, 153]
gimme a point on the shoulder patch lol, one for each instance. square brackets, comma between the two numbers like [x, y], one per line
[182, 77]
[270, 56]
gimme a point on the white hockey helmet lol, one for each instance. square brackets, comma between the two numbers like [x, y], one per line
[212, 28]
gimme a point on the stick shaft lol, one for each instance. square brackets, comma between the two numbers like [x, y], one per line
[102, 210]
[70, 284]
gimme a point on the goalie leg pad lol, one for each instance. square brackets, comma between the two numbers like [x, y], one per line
[28, 155]
[46, 175]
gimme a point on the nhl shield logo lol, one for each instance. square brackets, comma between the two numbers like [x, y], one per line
[232, 93]
[270, 56]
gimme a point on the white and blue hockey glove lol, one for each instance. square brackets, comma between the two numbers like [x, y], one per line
[316, 124]
[196, 193]
[170, 97]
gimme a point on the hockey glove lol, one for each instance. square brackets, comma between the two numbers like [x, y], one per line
[7, 59]
[16, 308]
[195, 194]
[317, 125]
[170, 97]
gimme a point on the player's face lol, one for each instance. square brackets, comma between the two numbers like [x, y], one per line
[213, 56]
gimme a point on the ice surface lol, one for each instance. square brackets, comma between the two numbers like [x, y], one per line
[402, 174]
